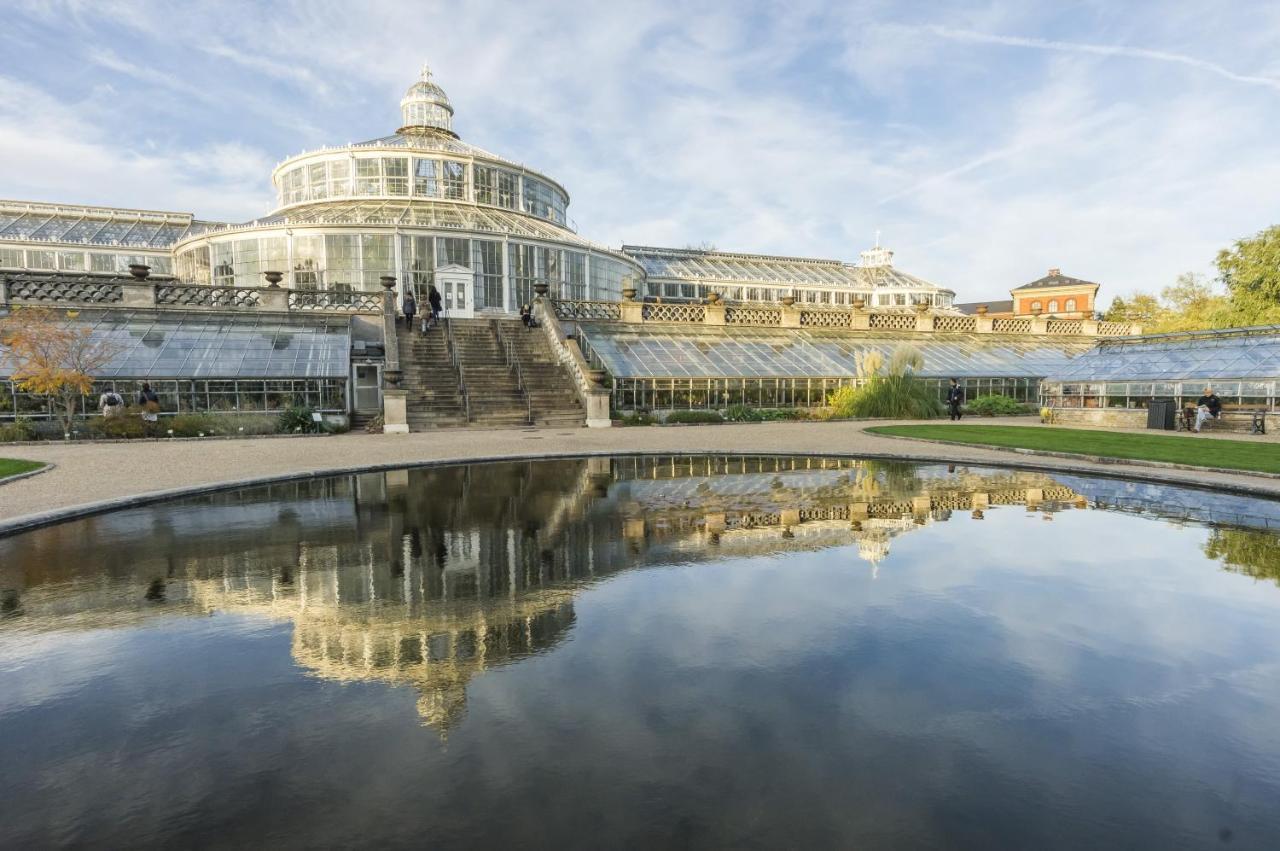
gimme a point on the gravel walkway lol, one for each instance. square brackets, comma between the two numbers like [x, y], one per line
[89, 477]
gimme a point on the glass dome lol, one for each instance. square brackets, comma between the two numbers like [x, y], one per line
[425, 105]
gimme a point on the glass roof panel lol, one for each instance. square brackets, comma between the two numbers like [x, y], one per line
[759, 352]
[1195, 356]
[189, 345]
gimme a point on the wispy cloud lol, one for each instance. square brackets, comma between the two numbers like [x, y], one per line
[1107, 50]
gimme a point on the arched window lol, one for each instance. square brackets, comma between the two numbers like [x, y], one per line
[1053, 305]
[1035, 306]
[1071, 305]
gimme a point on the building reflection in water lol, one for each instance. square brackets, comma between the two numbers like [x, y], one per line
[429, 577]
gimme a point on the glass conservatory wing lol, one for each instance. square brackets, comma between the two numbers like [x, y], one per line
[191, 346]
[1196, 356]
[712, 353]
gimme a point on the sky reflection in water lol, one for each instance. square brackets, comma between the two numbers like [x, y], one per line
[677, 652]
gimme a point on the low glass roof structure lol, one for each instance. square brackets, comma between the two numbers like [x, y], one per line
[713, 266]
[756, 353]
[186, 346]
[107, 226]
[1237, 353]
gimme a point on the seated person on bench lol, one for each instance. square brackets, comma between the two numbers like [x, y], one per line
[1207, 406]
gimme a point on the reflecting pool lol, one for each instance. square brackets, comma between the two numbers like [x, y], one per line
[649, 652]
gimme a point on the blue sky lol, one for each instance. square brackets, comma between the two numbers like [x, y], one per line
[1123, 142]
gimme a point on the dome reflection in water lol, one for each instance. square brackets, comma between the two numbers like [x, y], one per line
[698, 651]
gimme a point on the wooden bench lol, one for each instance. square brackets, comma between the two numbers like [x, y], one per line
[1241, 418]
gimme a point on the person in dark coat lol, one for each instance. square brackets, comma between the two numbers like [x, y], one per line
[955, 398]
[409, 307]
[433, 299]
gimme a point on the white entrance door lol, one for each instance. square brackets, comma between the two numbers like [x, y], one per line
[454, 283]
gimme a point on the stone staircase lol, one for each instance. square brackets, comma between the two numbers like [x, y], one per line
[553, 400]
[434, 396]
[493, 390]
[494, 393]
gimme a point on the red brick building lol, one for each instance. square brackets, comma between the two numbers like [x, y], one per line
[1055, 295]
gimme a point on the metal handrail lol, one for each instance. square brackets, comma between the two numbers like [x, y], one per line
[513, 363]
[452, 345]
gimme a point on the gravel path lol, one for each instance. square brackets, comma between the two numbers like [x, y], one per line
[90, 477]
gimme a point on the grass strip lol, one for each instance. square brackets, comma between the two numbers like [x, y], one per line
[1186, 449]
[13, 466]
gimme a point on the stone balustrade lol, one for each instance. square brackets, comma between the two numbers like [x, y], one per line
[815, 317]
[169, 294]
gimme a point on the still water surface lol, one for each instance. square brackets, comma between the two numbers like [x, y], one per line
[647, 653]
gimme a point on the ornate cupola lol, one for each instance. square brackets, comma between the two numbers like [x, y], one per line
[425, 108]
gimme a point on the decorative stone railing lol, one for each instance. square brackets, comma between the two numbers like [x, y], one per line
[586, 379]
[587, 309]
[334, 302]
[78, 291]
[169, 294]
[675, 312]
[198, 295]
[920, 320]
[1011, 326]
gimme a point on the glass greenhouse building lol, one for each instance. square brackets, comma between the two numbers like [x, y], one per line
[673, 368]
[1241, 364]
[203, 362]
[404, 206]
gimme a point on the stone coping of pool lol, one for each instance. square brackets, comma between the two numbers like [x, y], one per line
[25, 523]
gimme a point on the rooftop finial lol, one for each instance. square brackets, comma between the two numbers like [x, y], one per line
[426, 73]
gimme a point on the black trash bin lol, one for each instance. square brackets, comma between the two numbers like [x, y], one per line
[1160, 414]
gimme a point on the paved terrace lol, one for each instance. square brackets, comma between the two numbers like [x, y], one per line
[97, 475]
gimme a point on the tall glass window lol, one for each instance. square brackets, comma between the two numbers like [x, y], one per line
[575, 276]
[418, 255]
[522, 261]
[377, 258]
[487, 264]
[396, 172]
[368, 177]
[426, 178]
[455, 180]
[339, 178]
[342, 261]
[224, 273]
[308, 262]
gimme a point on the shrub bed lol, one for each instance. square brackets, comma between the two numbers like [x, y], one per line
[995, 405]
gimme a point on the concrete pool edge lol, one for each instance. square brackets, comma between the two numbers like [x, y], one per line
[26, 523]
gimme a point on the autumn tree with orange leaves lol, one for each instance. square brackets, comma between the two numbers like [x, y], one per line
[54, 356]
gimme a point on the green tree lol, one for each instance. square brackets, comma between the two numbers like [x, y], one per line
[1142, 308]
[1191, 304]
[1250, 270]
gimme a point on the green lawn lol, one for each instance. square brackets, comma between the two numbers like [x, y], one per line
[12, 466]
[1175, 449]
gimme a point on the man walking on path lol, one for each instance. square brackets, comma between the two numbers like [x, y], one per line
[955, 398]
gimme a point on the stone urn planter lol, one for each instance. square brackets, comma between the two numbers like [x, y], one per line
[388, 282]
[596, 376]
[141, 271]
[859, 304]
[922, 307]
[541, 290]
[629, 293]
[713, 298]
[273, 278]
[788, 300]
[391, 377]
[982, 310]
